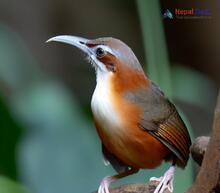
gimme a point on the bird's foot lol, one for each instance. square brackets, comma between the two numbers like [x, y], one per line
[165, 181]
[104, 186]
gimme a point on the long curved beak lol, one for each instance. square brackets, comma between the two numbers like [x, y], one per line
[72, 40]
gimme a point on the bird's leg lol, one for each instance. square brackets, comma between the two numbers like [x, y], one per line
[166, 181]
[106, 182]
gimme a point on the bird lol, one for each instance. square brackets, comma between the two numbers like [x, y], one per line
[138, 126]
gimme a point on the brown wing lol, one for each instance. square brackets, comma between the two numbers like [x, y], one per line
[172, 132]
[161, 119]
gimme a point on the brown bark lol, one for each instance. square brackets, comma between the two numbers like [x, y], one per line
[207, 178]
[198, 148]
[137, 188]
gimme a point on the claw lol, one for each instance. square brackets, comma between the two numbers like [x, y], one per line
[104, 186]
[166, 181]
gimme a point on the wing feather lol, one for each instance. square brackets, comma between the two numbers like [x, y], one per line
[161, 119]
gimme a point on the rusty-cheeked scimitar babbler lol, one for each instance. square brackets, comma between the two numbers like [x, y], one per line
[138, 126]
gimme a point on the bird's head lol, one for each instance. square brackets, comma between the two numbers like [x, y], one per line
[109, 56]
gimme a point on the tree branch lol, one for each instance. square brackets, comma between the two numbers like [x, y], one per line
[199, 148]
[207, 178]
[137, 188]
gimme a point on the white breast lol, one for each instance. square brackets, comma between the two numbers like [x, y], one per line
[102, 108]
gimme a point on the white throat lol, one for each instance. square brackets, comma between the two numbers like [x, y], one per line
[102, 106]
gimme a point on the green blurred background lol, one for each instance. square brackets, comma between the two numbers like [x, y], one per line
[48, 142]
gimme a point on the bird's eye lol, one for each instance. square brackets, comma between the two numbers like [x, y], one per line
[100, 52]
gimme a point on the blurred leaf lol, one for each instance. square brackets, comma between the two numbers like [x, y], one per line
[9, 186]
[10, 133]
[17, 67]
[193, 87]
[158, 67]
[61, 151]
